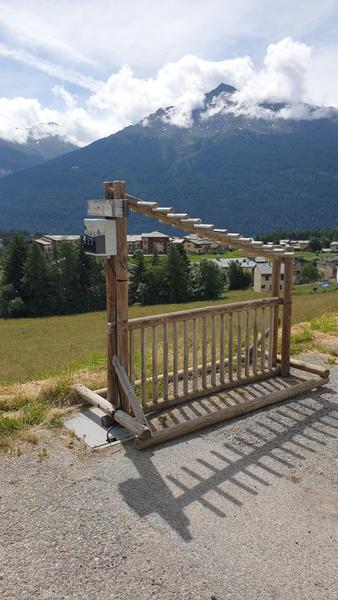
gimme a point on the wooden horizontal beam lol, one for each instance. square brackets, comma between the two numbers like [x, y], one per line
[196, 313]
[93, 398]
[308, 367]
[225, 414]
[216, 389]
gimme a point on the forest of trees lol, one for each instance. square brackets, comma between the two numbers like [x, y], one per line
[174, 278]
[31, 284]
[69, 281]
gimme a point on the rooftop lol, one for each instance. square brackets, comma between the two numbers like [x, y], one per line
[61, 238]
[266, 268]
[226, 262]
[155, 234]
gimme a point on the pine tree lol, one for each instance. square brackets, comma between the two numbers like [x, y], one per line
[238, 279]
[14, 263]
[152, 290]
[84, 274]
[137, 276]
[36, 283]
[155, 260]
[177, 278]
[70, 283]
[208, 281]
[12, 301]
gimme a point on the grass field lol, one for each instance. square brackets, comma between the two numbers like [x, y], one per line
[44, 347]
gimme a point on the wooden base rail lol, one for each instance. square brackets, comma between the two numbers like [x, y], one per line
[219, 416]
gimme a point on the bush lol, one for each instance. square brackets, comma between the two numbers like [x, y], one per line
[309, 273]
[16, 308]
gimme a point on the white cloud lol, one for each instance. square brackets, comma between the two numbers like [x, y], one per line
[282, 78]
[52, 69]
[124, 98]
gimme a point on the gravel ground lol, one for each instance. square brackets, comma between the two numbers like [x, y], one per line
[244, 511]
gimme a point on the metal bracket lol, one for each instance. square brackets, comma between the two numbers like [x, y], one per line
[110, 327]
[110, 209]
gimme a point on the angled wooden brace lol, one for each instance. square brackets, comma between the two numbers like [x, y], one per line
[129, 391]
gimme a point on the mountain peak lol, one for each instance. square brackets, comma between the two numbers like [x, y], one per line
[222, 88]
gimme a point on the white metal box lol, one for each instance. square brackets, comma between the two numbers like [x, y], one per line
[100, 237]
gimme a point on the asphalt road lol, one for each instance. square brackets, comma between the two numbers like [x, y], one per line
[243, 511]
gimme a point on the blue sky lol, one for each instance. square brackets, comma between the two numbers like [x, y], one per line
[94, 67]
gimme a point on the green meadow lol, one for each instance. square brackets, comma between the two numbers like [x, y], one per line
[51, 346]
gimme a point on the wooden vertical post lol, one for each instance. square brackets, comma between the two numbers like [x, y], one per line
[286, 324]
[275, 291]
[111, 314]
[117, 298]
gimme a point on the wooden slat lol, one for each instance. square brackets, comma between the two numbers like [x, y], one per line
[144, 204]
[162, 209]
[194, 355]
[222, 342]
[185, 355]
[178, 216]
[144, 365]
[239, 345]
[175, 359]
[247, 344]
[271, 338]
[275, 291]
[230, 347]
[165, 361]
[263, 339]
[234, 239]
[204, 352]
[255, 341]
[154, 365]
[213, 350]
[286, 324]
[132, 357]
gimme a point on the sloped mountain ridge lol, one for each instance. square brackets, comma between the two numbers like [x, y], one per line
[248, 173]
[43, 143]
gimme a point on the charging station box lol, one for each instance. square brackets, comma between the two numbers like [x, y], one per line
[100, 237]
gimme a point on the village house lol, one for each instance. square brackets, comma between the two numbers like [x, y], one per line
[147, 242]
[263, 277]
[134, 243]
[297, 245]
[298, 264]
[334, 247]
[328, 267]
[246, 264]
[48, 242]
[177, 241]
[196, 245]
[153, 240]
